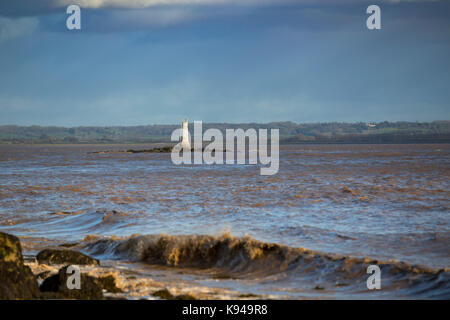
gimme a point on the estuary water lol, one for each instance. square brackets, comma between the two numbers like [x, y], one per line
[225, 231]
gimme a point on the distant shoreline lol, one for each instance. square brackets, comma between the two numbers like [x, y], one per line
[92, 144]
[290, 133]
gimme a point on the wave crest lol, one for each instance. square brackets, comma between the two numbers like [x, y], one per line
[244, 257]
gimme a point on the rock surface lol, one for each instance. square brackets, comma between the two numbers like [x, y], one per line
[52, 256]
[56, 287]
[109, 284]
[167, 295]
[16, 280]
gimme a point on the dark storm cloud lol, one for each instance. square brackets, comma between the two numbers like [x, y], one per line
[296, 60]
[38, 7]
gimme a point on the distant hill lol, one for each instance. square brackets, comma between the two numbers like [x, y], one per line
[290, 132]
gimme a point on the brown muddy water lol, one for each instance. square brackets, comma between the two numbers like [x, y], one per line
[225, 231]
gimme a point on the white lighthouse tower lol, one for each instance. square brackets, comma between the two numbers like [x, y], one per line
[185, 141]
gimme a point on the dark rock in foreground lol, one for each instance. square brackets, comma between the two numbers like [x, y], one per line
[16, 280]
[52, 256]
[109, 284]
[56, 287]
[167, 295]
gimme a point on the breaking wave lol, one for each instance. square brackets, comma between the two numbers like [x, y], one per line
[244, 257]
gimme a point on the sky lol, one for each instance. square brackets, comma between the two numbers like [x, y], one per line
[140, 62]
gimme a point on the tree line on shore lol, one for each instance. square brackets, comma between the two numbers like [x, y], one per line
[290, 132]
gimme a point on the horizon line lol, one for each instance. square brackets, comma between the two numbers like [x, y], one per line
[232, 123]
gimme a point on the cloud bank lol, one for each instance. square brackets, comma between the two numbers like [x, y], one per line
[148, 3]
[37, 7]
